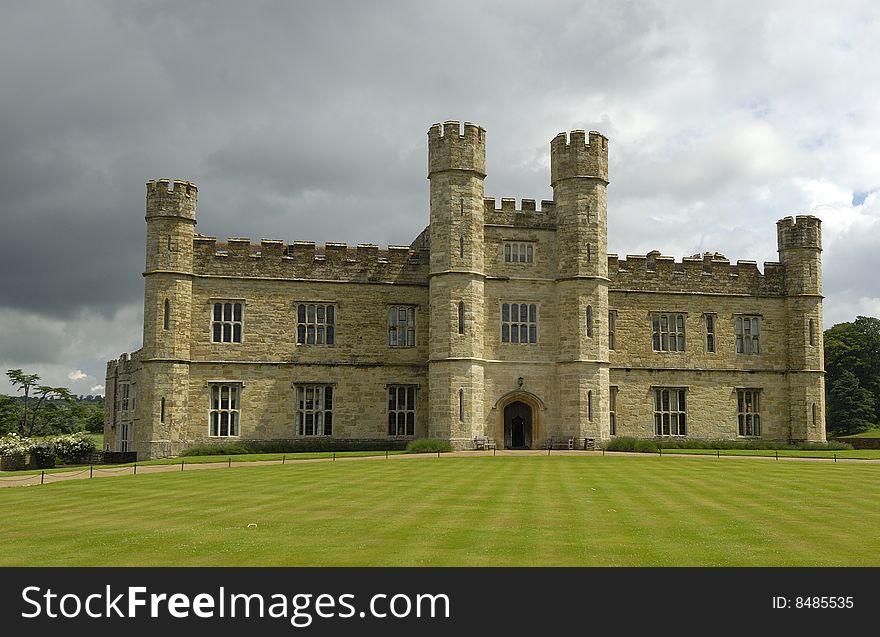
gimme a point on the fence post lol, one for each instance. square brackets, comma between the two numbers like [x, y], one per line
[438, 453]
[661, 451]
[181, 465]
[719, 452]
[777, 454]
[284, 459]
[229, 464]
[334, 456]
[42, 476]
[493, 452]
[835, 457]
[91, 471]
[135, 468]
[386, 454]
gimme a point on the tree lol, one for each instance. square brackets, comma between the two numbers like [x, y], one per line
[855, 347]
[10, 414]
[852, 405]
[32, 417]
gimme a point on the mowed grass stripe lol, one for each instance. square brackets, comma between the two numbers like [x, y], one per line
[457, 511]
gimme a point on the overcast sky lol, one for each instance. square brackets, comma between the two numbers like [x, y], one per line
[308, 121]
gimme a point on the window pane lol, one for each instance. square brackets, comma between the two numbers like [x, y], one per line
[523, 333]
[411, 397]
[514, 334]
[301, 313]
[300, 333]
[328, 398]
[533, 313]
[507, 253]
[227, 332]
[392, 424]
[505, 333]
[331, 314]
[320, 337]
[236, 333]
[410, 423]
[529, 253]
[392, 316]
[331, 334]
[320, 309]
[310, 335]
[310, 313]
[514, 312]
[217, 336]
[218, 312]
[227, 311]
[392, 336]
[411, 337]
[533, 333]
[505, 312]
[237, 311]
[328, 424]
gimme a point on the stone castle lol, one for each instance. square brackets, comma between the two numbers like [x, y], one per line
[505, 323]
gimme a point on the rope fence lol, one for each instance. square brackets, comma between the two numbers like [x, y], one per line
[59, 476]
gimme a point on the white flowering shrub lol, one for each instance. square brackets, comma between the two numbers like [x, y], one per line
[73, 448]
[13, 444]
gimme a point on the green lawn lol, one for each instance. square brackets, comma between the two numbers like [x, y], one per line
[871, 433]
[861, 454]
[561, 510]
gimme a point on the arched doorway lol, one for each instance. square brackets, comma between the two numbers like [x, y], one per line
[517, 426]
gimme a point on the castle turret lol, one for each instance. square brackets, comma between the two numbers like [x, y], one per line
[579, 177]
[171, 220]
[456, 169]
[799, 241]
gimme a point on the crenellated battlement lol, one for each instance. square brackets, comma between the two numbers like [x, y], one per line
[508, 204]
[571, 156]
[802, 231]
[171, 199]
[451, 148]
[526, 215]
[305, 260]
[710, 273]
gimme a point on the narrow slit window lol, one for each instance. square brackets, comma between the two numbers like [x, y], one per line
[461, 317]
[710, 333]
[461, 405]
[589, 321]
[162, 410]
[166, 317]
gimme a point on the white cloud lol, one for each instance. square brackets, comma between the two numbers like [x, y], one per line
[97, 390]
[77, 375]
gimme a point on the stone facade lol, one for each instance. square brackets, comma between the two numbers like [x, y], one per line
[508, 323]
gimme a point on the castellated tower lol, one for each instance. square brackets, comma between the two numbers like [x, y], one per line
[579, 177]
[165, 357]
[456, 169]
[799, 241]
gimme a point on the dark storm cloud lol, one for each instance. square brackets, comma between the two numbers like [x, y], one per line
[308, 121]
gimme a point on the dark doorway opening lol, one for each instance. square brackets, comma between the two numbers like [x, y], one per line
[517, 426]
